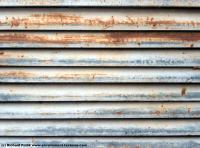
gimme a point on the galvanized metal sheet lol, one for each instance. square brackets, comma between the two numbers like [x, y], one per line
[138, 3]
[99, 19]
[99, 92]
[100, 128]
[89, 110]
[101, 75]
[89, 142]
[94, 57]
[99, 39]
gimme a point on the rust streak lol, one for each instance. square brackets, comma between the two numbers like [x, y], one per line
[16, 74]
[39, 19]
[119, 113]
[102, 38]
[73, 76]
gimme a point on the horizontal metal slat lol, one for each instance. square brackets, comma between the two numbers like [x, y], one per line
[94, 57]
[62, 3]
[99, 19]
[99, 92]
[116, 142]
[99, 110]
[99, 39]
[100, 128]
[101, 75]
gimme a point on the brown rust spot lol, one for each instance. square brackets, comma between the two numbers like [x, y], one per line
[1, 53]
[161, 110]
[183, 91]
[119, 113]
[14, 22]
[157, 113]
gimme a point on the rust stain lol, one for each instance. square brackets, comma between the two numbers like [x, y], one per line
[14, 22]
[1, 53]
[157, 113]
[80, 75]
[183, 91]
[102, 38]
[119, 113]
[161, 110]
[39, 19]
[16, 74]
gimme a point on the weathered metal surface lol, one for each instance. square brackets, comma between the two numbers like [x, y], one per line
[99, 19]
[99, 39]
[134, 3]
[110, 89]
[89, 110]
[99, 92]
[100, 127]
[94, 57]
[101, 75]
[144, 142]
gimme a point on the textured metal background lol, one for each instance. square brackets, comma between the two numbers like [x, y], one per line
[100, 73]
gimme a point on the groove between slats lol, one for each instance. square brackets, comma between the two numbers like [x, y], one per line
[100, 3]
[100, 75]
[93, 57]
[99, 19]
[135, 142]
[99, 39]
[100, 128]
[99, 110]
[99, 92]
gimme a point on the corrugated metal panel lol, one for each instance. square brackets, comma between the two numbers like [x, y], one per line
[120, 75]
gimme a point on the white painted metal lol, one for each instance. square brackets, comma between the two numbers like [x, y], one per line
[100, 127]
[106, 110]
[100, 57]
[101, 75]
